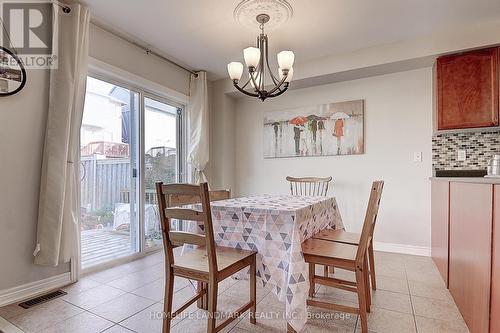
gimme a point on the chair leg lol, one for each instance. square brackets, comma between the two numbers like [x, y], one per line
[371, 257]
[167, 302]
[325, 271]
[212, 305]
[312, 272]
[253, 290]
[360, 281]
[202, 302]
[367, 287]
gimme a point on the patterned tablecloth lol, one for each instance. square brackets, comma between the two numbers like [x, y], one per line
[275, 226]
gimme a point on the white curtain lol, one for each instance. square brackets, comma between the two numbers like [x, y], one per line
[58, 213]
[198, 125]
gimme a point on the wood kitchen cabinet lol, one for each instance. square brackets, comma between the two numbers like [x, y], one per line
[470, 249]
[439, 231]
[471, 219]
[467, 90]
[495, 265]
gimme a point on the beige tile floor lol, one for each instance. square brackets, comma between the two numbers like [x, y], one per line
[411, 297]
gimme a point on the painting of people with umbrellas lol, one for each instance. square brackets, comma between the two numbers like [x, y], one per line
[321, 130]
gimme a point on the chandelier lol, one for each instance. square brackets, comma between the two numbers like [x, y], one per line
[257, 63]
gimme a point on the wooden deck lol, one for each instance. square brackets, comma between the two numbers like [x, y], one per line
[103, 245]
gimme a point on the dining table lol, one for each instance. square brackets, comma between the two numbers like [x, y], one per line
[275, 226]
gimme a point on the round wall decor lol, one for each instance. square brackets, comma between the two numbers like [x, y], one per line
[12, 73]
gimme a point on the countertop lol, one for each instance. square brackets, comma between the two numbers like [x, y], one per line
[477, 180]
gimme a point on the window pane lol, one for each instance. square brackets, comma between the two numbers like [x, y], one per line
[161, 160]
[108, 190]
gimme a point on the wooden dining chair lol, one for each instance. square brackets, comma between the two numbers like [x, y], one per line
[206, 263]
[345, 256]
[309, 186]
[352, 238]
[182, 200]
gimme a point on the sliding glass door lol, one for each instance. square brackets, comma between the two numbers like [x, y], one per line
[161, 158]
[129, 140]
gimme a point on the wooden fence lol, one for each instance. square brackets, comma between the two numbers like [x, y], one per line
[103, 182]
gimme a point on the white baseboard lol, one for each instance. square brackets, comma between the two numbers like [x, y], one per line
[402, 248]
[32, 289]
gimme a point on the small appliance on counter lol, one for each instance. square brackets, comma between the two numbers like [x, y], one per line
[493, 168]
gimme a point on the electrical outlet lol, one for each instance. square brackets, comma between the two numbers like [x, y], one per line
[462, 155]
[417, 156]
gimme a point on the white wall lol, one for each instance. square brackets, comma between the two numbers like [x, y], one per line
[22, 127]
[221, 165]
[115, 51]
[22, 124]
[398, 122]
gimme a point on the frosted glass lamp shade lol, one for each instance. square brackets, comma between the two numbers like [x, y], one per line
[289, 76]
[286, 59]
[235, 70]
[252, 56]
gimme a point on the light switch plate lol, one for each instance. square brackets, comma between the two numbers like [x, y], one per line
[462, 155]
[417, 156]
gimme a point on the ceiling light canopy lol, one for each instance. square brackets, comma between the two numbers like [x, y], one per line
[279, 12]
[257, 64]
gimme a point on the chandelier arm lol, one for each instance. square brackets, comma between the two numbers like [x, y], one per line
[275, 79]
[246, 84]
[280, 92]
[246, 92]
[261, 79]
[257, 88]
[252, 78]
[258, 68]
[263, 54]
[278, 85]
[259, 65]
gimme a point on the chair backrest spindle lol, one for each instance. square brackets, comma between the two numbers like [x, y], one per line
[309, 186]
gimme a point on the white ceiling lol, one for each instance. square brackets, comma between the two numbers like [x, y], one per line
[202, 34]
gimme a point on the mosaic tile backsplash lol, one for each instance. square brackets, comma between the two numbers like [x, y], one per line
[480, 147]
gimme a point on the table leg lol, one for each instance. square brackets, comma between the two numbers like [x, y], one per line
[199, 302]
[202, 302]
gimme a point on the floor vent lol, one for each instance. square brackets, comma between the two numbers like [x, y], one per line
[42, 299]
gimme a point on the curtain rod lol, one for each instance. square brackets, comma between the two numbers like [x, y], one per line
[145, 49]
